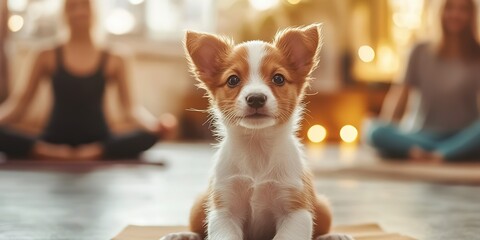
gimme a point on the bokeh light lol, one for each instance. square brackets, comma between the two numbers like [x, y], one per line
[348, 133]
[17, 5]
[366, 53]
[317, 133]
[294, 2]
[407, 14]
[120, 21]
[262, 5]
[15, 23]
[136, 2]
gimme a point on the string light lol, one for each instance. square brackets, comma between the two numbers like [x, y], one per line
[294, 2]
[366, 53]
[317, 133]
[348, 133]
[120, 21]
[15, 23]
[136, 2]
[262, 5]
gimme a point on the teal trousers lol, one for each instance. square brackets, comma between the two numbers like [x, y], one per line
[393, 143]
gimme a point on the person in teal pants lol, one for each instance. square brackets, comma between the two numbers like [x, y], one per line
[393, 143]
[442, 85]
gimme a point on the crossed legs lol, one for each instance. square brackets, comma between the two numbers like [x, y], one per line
[391, 142]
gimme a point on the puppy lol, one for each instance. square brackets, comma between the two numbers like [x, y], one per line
[261, 187]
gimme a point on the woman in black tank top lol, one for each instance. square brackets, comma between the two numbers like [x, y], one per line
[77, 116]
[77, 126]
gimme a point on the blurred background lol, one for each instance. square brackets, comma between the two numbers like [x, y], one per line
[366, 43]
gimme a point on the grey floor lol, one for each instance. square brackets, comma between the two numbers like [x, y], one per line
[88, 201]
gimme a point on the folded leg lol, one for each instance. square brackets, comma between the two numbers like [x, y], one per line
[15, 144]
[323, 220]
[463, 145]
[393, 143]
[198, 216]
[322, 217]
[128, 145]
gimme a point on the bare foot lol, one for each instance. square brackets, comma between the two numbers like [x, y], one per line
[89, 152]
[418, 154]
[436, 158]
[167, 126]
[48, 151]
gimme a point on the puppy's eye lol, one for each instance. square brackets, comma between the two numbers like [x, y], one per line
[233, 81]
[278, 79]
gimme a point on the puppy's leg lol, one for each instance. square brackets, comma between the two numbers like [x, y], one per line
[297, 225]
[197, 222]
[230, 206]
[323, 220]
[223, 225]
[198, 216]
[335, 236]
[322, 217]
[182, 236]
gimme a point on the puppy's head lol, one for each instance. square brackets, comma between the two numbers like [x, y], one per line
[255, 84]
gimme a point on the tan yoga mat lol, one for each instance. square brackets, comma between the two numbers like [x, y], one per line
[359, 232]
[450, 173]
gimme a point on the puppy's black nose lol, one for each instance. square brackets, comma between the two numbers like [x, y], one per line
[256, 100]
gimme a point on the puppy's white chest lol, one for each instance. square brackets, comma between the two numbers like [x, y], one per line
[259, 194]
[258, 202]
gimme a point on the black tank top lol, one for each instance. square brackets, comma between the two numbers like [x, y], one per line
[77, 116]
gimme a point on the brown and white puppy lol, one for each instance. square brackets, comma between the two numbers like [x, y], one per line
[261, 187]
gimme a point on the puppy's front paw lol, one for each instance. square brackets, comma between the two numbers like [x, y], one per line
[335, 236]
[182, 236]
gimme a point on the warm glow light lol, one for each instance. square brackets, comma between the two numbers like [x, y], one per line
[407, 20]
[294, 2]
[263, 4]
[407, 14]
[366, 53]
[402, 36]
[15, 23]
[17, 5]
[120, 21]
[136, 2]
[387, 60]
[348, 153]
[162, 17]
[348, 133]
[317, 133]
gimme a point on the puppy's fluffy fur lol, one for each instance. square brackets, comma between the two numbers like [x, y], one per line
[260, 187]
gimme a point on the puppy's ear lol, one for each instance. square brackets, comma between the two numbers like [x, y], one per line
[206, 54]
[301, 47]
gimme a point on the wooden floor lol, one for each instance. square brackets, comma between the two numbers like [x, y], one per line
[95, 201]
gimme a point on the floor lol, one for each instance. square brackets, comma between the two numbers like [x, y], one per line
[95, 201]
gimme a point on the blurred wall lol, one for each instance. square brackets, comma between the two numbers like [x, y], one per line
[3, 61]
[364, 43]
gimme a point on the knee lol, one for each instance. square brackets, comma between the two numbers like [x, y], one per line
[146, 140]
[378, 134]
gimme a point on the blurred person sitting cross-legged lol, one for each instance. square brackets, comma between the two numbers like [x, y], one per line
[77, 128]
[442, 85]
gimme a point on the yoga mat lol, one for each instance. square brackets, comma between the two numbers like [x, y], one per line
[370, 231]
[449, 173]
